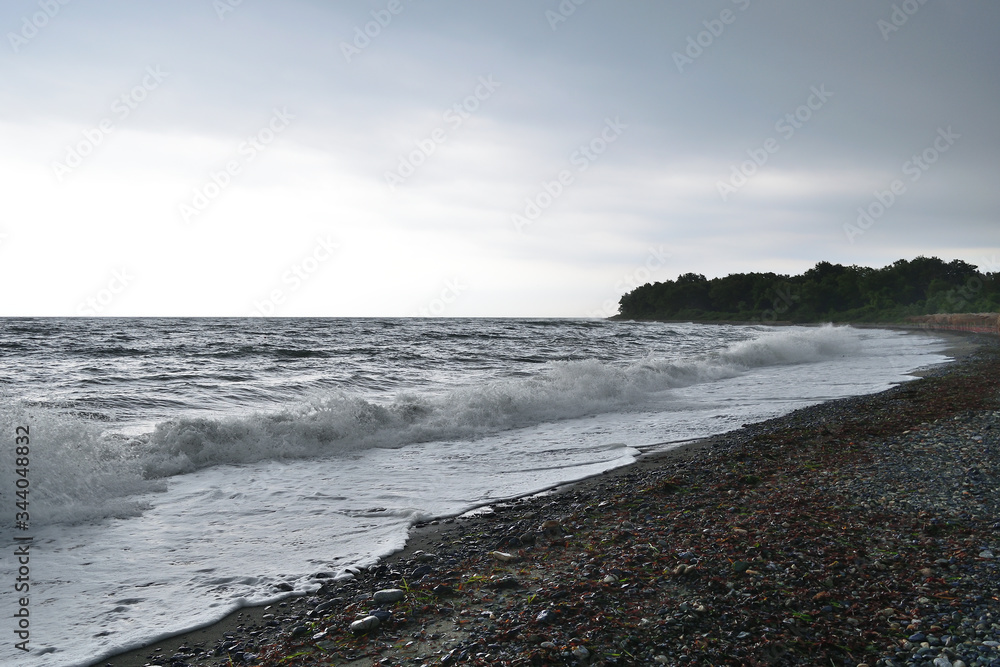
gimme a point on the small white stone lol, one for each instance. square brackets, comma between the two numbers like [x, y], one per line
[365, 624]
[388, 595]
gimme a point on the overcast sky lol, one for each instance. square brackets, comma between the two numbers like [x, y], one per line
[514, 158]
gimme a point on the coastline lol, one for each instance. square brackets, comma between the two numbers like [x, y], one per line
[253, 631]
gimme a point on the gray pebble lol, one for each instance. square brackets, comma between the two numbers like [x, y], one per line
[365, 624]
[388, 595]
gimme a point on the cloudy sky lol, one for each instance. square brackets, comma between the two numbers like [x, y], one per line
[514, 158]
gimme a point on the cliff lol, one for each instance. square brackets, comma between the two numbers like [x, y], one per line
[978, 322]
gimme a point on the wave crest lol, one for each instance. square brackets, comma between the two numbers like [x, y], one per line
[341, 422]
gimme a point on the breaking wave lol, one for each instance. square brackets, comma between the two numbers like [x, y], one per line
[341, 422]
[81, 472]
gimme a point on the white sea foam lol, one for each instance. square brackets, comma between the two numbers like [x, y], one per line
[777, 347]
[75, 473]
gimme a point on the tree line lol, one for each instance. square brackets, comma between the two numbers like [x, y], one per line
[827, 292]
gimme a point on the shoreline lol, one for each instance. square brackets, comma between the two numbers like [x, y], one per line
[249, 625]
[422, 537]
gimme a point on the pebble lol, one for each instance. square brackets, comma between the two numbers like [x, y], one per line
[421, 571]
[505, 582]
[551, 528]
[388, 595]
[326, 606]
[545, 616]
[382, 615]
[365, 624]
[503, 556]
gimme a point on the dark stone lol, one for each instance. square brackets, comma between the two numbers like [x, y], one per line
[505, 583]
[545, 616]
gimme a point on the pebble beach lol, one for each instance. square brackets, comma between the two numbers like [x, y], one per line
[862, 531]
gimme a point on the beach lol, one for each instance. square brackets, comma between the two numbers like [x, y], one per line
[857, 531]
[466, 333]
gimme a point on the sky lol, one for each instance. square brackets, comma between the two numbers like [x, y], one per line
[523, 158]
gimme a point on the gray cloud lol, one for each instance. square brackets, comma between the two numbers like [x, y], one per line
[702, 89]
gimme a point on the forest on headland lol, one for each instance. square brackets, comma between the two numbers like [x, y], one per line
[825, 293]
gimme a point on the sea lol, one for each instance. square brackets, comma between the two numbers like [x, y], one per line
[178, 469]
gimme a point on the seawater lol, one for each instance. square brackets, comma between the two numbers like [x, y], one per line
[183, 468]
